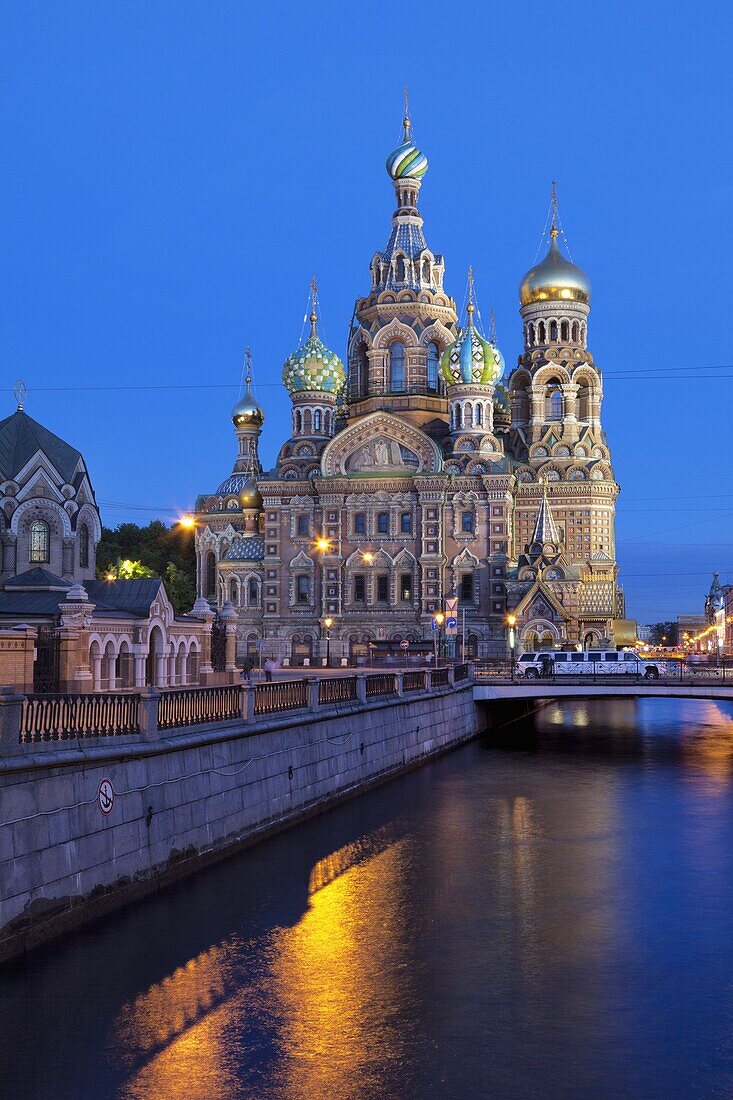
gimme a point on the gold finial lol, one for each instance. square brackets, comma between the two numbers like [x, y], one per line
[554, 231]
[406, 120]
[470, 307]
[314, 305]
[20, 392]
[248, 366]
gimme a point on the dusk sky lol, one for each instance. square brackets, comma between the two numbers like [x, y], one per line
[175, 173]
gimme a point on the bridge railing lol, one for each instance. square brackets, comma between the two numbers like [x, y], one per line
[664, 671]
[37, 720]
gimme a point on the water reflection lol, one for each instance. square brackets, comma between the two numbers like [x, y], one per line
[548, 915]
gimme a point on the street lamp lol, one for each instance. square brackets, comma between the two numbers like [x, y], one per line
[187, 521]
[511, 623]
[328, 623]
[439, 618]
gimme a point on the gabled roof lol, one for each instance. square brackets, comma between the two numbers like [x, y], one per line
[132, 597]
[544, 529]
[21, 437]
[37, 578]
[539, 587]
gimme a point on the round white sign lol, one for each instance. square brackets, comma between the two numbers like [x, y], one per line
[106, 796]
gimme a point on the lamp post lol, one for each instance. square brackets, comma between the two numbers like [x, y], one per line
[328, 623]
[511, 623]
[439, 618]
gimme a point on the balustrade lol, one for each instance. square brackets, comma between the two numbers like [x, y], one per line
[381, 684]
[67, 717]
[414, 681]
[339, 689]
[195, 706]
[280, 695]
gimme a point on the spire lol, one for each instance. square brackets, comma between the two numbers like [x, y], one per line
[314, 307]
[715, 587]
[406, 122]
[248, 368]
[20, 392]
[470, 308]
[554, 231]
[544, 529]
[492, 327]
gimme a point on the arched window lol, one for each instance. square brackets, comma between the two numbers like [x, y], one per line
[84, 546]
[397, 367]
[376, 274]
[234, 592]
[433, 364]
[298, 422]
[541, 332]
[317, 420]
[564, 329]
[478, 415]
[327, 422]
[467, 415]
[575, 332]
[457, 416]
[426, 271]
[583, 401]
[553, 330]
[362, 372]
[553, 404]
[253, 592]
[39, 542]
[308, 421]
[400, 269]
[210, 574]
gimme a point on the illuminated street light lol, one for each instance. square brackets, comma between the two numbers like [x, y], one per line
[323, 544]
[187, 521]
[328, 623]
[511, 623]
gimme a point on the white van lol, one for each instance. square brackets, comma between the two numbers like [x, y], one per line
[603, 662]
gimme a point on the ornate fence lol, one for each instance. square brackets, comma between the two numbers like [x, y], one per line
[414, 681]
[381, 684]
[339, 689]
[195, 706]
[280, 695]
[49, 718]
[66, 717]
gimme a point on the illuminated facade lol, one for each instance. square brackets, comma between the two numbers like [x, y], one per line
[420, 470]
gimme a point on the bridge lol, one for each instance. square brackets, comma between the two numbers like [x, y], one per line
[492, 687]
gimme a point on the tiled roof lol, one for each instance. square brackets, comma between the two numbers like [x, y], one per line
[21, 437]
[246, 548]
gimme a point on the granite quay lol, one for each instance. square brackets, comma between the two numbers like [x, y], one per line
[103, 798]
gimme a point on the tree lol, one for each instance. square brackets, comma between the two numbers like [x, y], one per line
[151, 551]
[664, 634]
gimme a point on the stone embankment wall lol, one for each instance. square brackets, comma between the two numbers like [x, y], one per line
[186, 798]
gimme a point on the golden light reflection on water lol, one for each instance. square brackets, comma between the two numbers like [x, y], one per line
[339, 981]
[707, 744]
[331, 984]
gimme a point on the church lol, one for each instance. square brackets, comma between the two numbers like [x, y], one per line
[420, 471]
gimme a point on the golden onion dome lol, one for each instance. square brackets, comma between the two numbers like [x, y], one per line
[555, 279]
[247, 413]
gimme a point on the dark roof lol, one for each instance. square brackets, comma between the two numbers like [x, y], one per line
[37, 578]
[22, 605]
[21, 437]
[132, 597]
[246, 548]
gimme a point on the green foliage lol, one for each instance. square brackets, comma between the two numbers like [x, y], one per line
[664, 634]
[152, 551]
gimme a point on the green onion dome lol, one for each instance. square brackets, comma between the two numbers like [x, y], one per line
[470, 359]
[313, 367]
[407, 161]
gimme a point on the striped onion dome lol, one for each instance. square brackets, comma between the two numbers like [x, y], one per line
[407, 161]
[313, 367]
[470, 359]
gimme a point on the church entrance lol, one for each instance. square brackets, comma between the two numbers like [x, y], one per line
[301, 647]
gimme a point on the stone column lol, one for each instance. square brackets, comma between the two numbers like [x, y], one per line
[149, 713]
[570, 418]
[11, 711]
[161, 670]
[229, 617]
[140, 662]
[537, 412]
[76, 618]
[201, 610]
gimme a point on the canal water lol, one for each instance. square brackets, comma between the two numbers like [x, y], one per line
[546, 916]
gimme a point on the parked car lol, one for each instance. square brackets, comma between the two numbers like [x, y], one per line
[604, 662]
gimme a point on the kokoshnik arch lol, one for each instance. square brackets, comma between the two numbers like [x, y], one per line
[421, 470]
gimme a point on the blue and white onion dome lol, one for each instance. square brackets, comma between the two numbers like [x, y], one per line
[407, 161]
[314, 368]
[471, 359]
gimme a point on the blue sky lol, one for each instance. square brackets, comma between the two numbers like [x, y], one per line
[175, 173]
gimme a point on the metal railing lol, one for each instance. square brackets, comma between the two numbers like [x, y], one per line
[414, 681]
[383, 683]
[67, 717]
[440, 677]
[196, 706]
[280, 695]
[461, 672]
[664, 671]
[338, 689]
